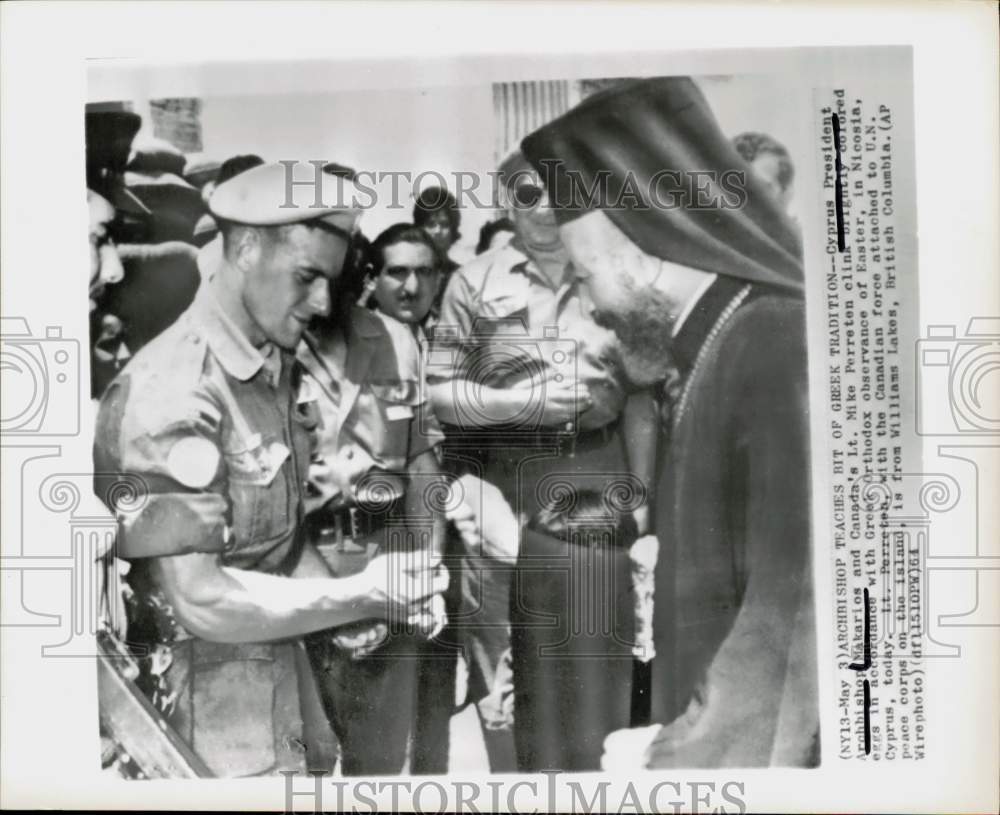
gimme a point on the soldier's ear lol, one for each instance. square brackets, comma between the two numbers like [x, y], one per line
[248, 249]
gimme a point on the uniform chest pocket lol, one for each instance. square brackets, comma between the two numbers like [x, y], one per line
[502, 315]
[396, 404]
[233, 690]
[262, 508]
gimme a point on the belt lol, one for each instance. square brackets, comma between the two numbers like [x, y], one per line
[505, 439]
[346, 523]
[587, 440]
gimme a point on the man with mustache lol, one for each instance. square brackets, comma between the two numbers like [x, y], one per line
[407, 270]
[716, 290]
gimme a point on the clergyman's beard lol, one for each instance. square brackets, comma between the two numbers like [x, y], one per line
[644, 329]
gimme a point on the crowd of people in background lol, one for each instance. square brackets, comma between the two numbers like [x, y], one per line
[504, 379]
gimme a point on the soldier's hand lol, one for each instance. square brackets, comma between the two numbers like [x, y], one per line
[431, 618]
[399, 584]
[360, 638]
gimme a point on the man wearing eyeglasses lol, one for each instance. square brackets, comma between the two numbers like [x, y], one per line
[532, 395]
[408, 270]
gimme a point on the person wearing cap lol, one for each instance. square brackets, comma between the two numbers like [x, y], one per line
[717, 291]
[202, 449]
[202, 171]
[373, 477]
[155, 175]
[109, 131]
[531, 389]
[205, 228]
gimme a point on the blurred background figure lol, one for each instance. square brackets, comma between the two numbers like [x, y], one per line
[105, 265]
[142, 218]
[155, 175]
[109, 133]
[160, 282]
[201, 171]
[108, 350]
[114, 214]
[770, 162]
[235, 165]
[436, 212]
[206, 229]
[357, 276]
[108, 353]
[495, 233]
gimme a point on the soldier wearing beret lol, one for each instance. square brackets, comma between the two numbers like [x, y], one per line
[207, 419]
[717, 292]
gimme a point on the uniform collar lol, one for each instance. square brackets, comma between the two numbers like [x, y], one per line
[365, 323]
[347, 334]
[210, 258]
[229, 345]
[528, 266]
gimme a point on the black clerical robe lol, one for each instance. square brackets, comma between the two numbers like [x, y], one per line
[734, 679]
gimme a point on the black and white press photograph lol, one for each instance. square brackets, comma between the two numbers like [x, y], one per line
[440, 449]
[499, 407]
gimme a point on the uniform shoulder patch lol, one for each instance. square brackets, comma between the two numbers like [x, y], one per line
[193, 461]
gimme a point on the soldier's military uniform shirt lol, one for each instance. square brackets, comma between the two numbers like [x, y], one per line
[209, 425]
[363, 376]
[501, 317]
[375, 418]
[212, 426]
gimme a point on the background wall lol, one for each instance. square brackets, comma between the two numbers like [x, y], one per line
[446, 130]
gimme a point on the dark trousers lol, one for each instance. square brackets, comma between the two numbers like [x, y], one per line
[480, 594]
[572, 623]
[477, 602]
[371, 701]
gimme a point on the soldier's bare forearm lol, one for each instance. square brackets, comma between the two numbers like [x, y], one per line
[222, 604]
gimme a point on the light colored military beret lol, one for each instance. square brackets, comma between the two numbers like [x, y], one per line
[287, 193]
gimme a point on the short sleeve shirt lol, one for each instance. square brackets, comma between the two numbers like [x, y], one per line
[502, 322]
[375, 418]
[205, 428]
